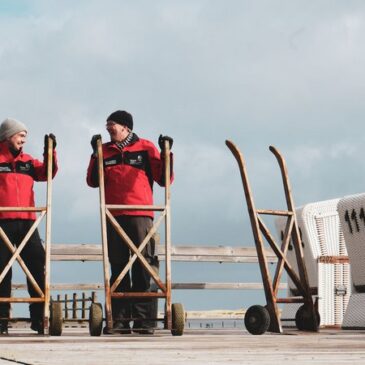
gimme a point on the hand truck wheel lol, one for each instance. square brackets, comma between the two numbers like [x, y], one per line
[257, 320]
[95, 319]
[56, 319]
[303, 319]
[178, 319]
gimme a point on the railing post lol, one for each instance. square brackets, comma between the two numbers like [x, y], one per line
[74, 306]
[66, 306]
[83, 305]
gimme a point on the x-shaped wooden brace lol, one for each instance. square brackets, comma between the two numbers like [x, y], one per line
[281, 254]
[16, 254]
[137, 251]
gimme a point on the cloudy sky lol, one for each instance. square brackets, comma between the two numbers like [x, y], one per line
[284, 73]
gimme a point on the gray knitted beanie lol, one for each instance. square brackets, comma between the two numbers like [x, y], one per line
[9, 127]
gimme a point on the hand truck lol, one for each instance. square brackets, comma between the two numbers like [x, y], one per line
[174, 318]
[259, 319]
[52, 319]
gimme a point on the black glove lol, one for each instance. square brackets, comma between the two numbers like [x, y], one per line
[53, 138]
[162, 139]
[94, 142]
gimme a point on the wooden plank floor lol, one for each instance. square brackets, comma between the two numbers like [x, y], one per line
[75, 346]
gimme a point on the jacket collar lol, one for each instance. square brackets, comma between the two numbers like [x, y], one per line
[4, 149]
[134, 139]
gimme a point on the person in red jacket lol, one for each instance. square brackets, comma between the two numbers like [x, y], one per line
[131, 166]
[18, 171]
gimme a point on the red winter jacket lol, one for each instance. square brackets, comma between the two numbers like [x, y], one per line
[129, 174]
[17, 175]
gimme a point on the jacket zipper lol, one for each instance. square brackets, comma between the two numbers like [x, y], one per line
[16, 184]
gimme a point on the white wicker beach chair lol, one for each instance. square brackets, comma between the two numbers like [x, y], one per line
[325, 257]
[352, 219]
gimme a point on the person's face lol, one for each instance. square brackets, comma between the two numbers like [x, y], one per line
[17, 141]
[116, 131]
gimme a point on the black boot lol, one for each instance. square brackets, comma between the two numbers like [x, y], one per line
[3, 328]
[36, 316]
[143, 329]
[119, 326]
[37, 325]
[4, 315]
[146, 312]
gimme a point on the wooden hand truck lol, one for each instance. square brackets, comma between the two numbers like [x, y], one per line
[259, 319]
[52, 320]
[174, 318]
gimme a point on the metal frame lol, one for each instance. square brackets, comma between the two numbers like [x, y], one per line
[291, 233]
[44, 297]
[105, 213]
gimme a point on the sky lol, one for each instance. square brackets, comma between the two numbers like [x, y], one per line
[260, 73]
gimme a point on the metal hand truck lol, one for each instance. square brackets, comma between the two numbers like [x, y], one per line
[174, 318]
[52, 319]
[259, 319]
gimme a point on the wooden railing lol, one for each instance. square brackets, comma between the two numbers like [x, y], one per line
[92, 252]
[219, 254]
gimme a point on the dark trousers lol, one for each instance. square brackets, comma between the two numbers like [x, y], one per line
[33, 256]
[138, 279]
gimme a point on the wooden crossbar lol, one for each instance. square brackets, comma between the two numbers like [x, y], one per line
[176, 286]
[183, 253]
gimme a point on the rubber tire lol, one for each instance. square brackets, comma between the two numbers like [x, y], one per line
[178, 319]
[95, 319]
[271, 322]
[56, 319]
[302, 319]
[257, 320]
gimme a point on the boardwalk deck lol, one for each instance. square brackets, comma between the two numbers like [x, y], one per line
[195, 347]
